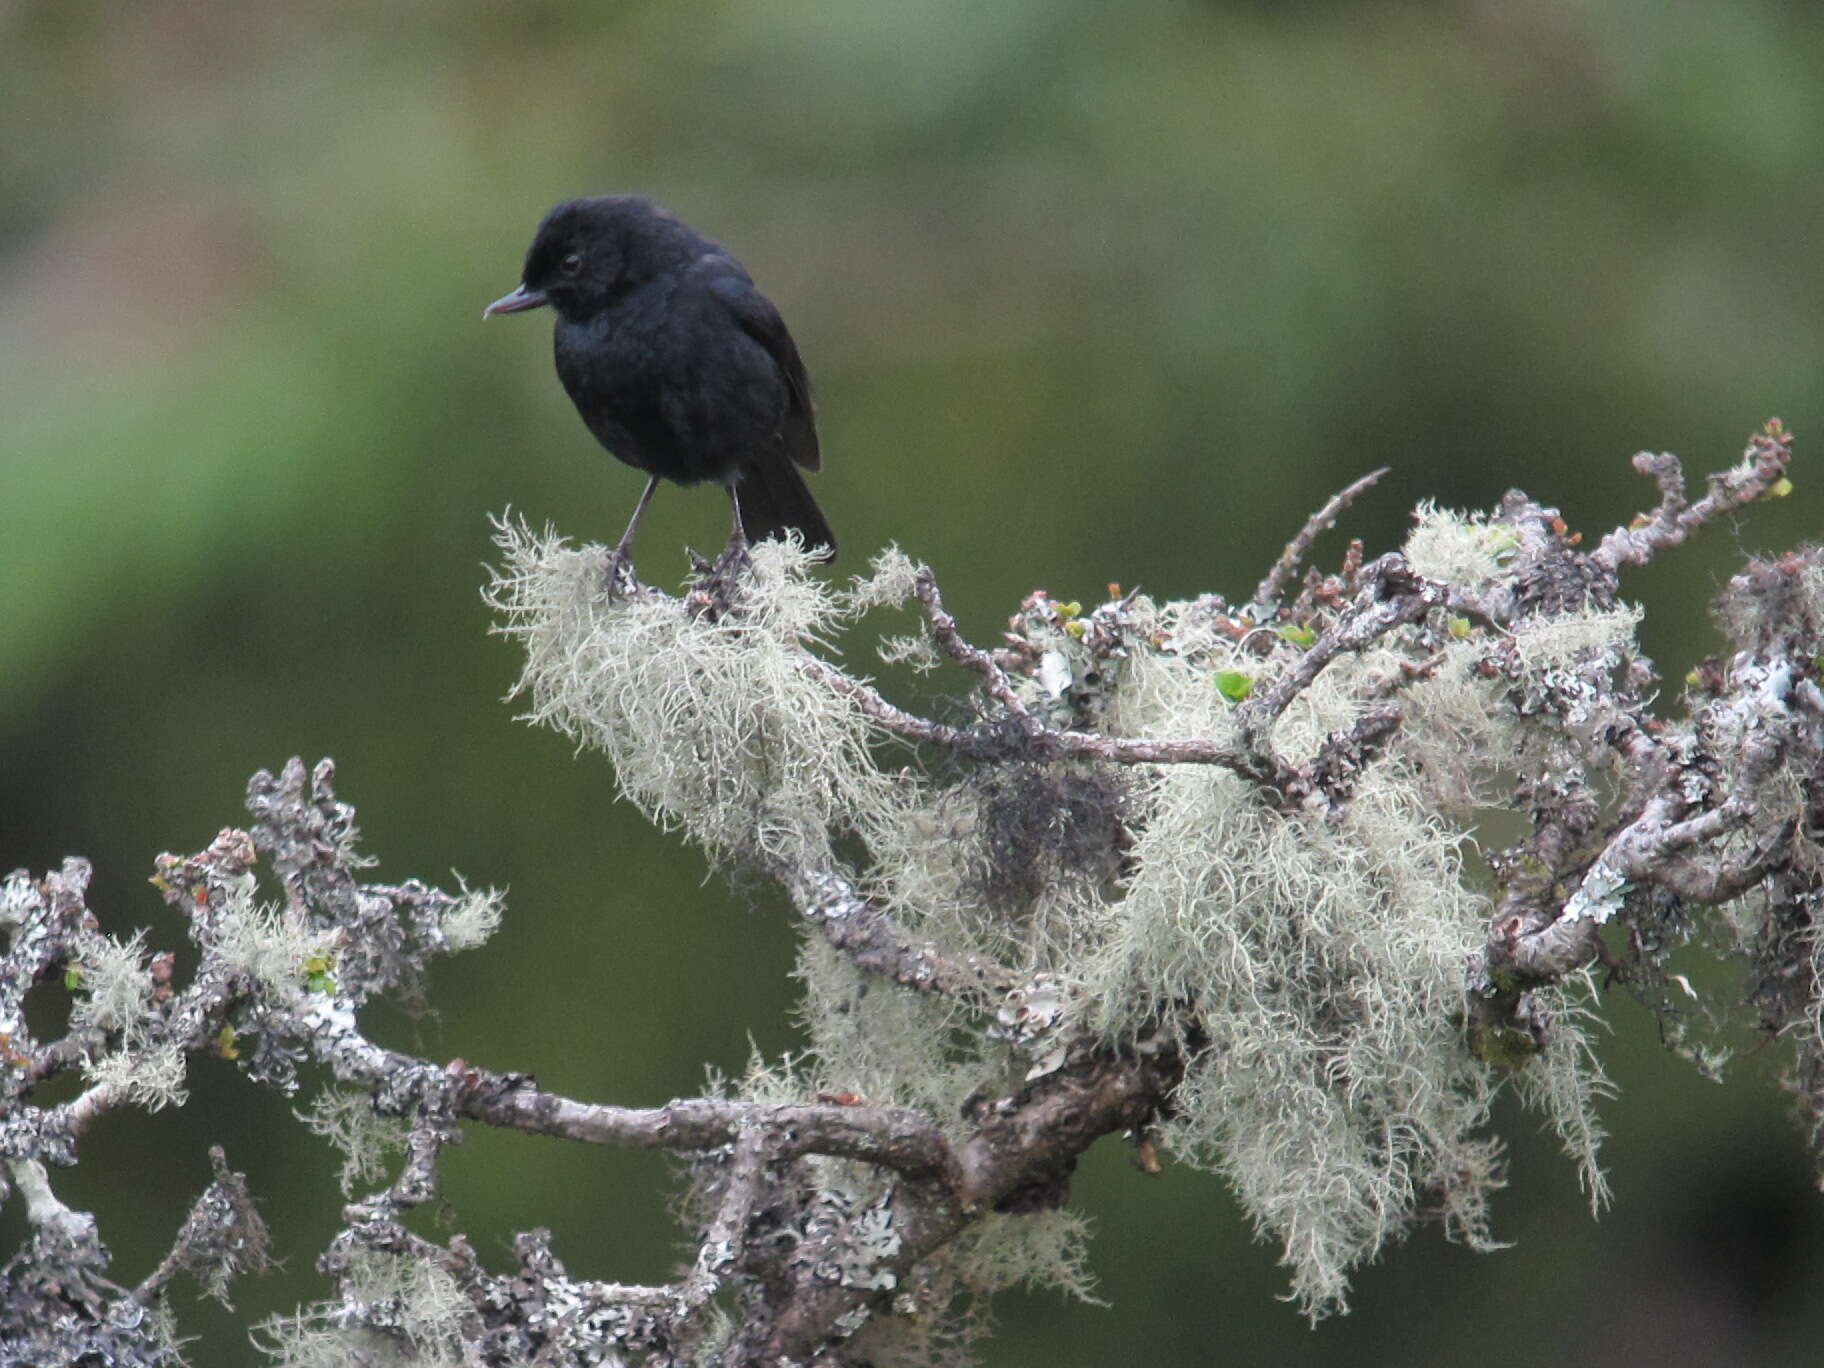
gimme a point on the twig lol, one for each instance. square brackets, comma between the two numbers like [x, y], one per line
[1274, 585]
[875, 943]
[1392, 597]
[905, 725]
[1348, 751]
[950, 639]
[894, 1137]
[987, 742]
[1764, 464]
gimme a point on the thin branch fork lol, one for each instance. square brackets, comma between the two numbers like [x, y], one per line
[1273, 587]
[1036, 739]
[1643, 851]
[1393, 597]
[1768, 455]
[950, 641]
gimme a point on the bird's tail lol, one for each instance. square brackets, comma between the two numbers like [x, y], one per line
[772, 498]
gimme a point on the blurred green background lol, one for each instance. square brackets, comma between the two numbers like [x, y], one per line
[1090, 293]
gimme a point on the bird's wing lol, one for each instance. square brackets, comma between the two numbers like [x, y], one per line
[760, 321]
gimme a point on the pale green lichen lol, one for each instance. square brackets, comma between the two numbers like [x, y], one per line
[881, 1042]
[1461, 549]
[1563, 641]
[1324, 967]
[1566, 1080]
[413, 1313]
[362, 1135]
[1171, 691]
[894, 582]
[1460, 734]
[713, 723]
[275, 945]
[934, 1321]
[1038, 1250]
[916, 651]
[151, 1078]
[472, 919]
[113, 986]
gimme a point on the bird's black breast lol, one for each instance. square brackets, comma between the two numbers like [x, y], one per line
[670, 382]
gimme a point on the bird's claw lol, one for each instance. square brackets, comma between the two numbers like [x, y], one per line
[619, 574]
[719, 585]
[734, 560]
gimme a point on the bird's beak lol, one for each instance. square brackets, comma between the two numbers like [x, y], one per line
[517, 302]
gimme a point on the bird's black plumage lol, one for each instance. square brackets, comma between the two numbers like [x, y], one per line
[676, 361]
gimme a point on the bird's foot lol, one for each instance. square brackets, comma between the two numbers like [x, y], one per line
[734, 561]
[719, 585]
[619, 573]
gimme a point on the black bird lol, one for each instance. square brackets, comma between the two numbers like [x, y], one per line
[676, 362]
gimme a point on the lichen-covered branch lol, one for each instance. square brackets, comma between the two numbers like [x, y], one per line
[1199, 874]
[871, 941]
[1762, 469]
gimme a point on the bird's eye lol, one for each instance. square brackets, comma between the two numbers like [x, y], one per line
[572, 264]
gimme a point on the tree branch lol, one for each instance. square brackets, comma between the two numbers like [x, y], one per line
[1268, 976]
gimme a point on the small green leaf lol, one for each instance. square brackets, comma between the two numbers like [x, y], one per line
[1692, 678]
[316, 973]
[1234, 685]
[1459, 628]
[1780, 488]
[1067, 611]
[1076, 629]
[1296, 634]
[224, 1043]
[72, 978]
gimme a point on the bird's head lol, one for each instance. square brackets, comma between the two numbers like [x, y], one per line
[588, 253]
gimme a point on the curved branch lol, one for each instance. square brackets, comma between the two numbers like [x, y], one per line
[1270, 589]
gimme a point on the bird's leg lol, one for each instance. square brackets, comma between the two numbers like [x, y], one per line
[620, 560]
[734, 557]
